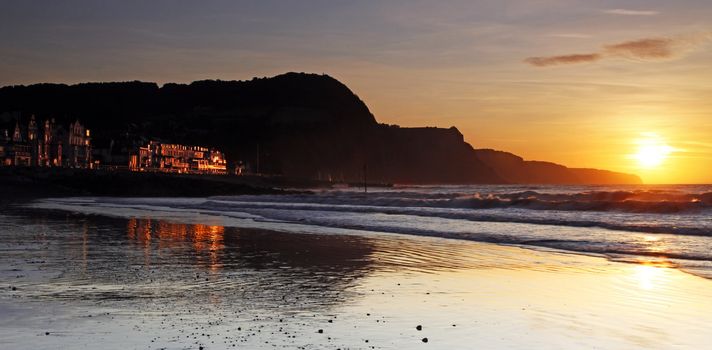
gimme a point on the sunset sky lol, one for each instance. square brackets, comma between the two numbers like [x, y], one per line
[620, 85]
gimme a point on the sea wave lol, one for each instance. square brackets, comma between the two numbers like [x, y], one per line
[694, 226]
[643, 201]
[661, 224]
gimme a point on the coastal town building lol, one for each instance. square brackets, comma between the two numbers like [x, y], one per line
[48, 146]
[13, 148]
[175, 158]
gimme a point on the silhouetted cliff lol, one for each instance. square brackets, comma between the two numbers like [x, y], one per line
[298, 125]
[514, 169]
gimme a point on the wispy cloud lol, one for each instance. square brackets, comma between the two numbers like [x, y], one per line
[646, 49]
[564, 59]
[624, 12]
[649, 48]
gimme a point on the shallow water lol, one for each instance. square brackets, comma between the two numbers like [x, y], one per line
[186, 281]
[672, 224]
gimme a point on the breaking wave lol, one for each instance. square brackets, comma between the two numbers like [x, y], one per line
[643, 201]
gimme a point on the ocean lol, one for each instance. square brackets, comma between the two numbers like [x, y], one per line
[655, 224]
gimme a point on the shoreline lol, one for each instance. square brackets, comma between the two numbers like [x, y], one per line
[658, 260]
[192, 211]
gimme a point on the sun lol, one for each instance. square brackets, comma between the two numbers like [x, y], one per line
[652, 151]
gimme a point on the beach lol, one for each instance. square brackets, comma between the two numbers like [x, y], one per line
[165, 279]
[356, 175]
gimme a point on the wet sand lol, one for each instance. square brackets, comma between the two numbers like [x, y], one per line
[77, 281]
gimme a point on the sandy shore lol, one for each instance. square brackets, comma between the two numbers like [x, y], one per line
[74, 281]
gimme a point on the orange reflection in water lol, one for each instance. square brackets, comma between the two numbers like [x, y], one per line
[131, 228]
[211, 238]
[205, 240]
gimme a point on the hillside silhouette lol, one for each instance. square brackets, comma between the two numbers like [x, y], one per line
[298, 125]
[514, 169]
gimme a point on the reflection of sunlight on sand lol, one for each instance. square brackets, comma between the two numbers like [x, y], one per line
[652, 273]
[648, 276]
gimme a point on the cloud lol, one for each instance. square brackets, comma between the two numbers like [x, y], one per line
[565, 59]
[624, 12]
[651, 48]
[646, 49]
